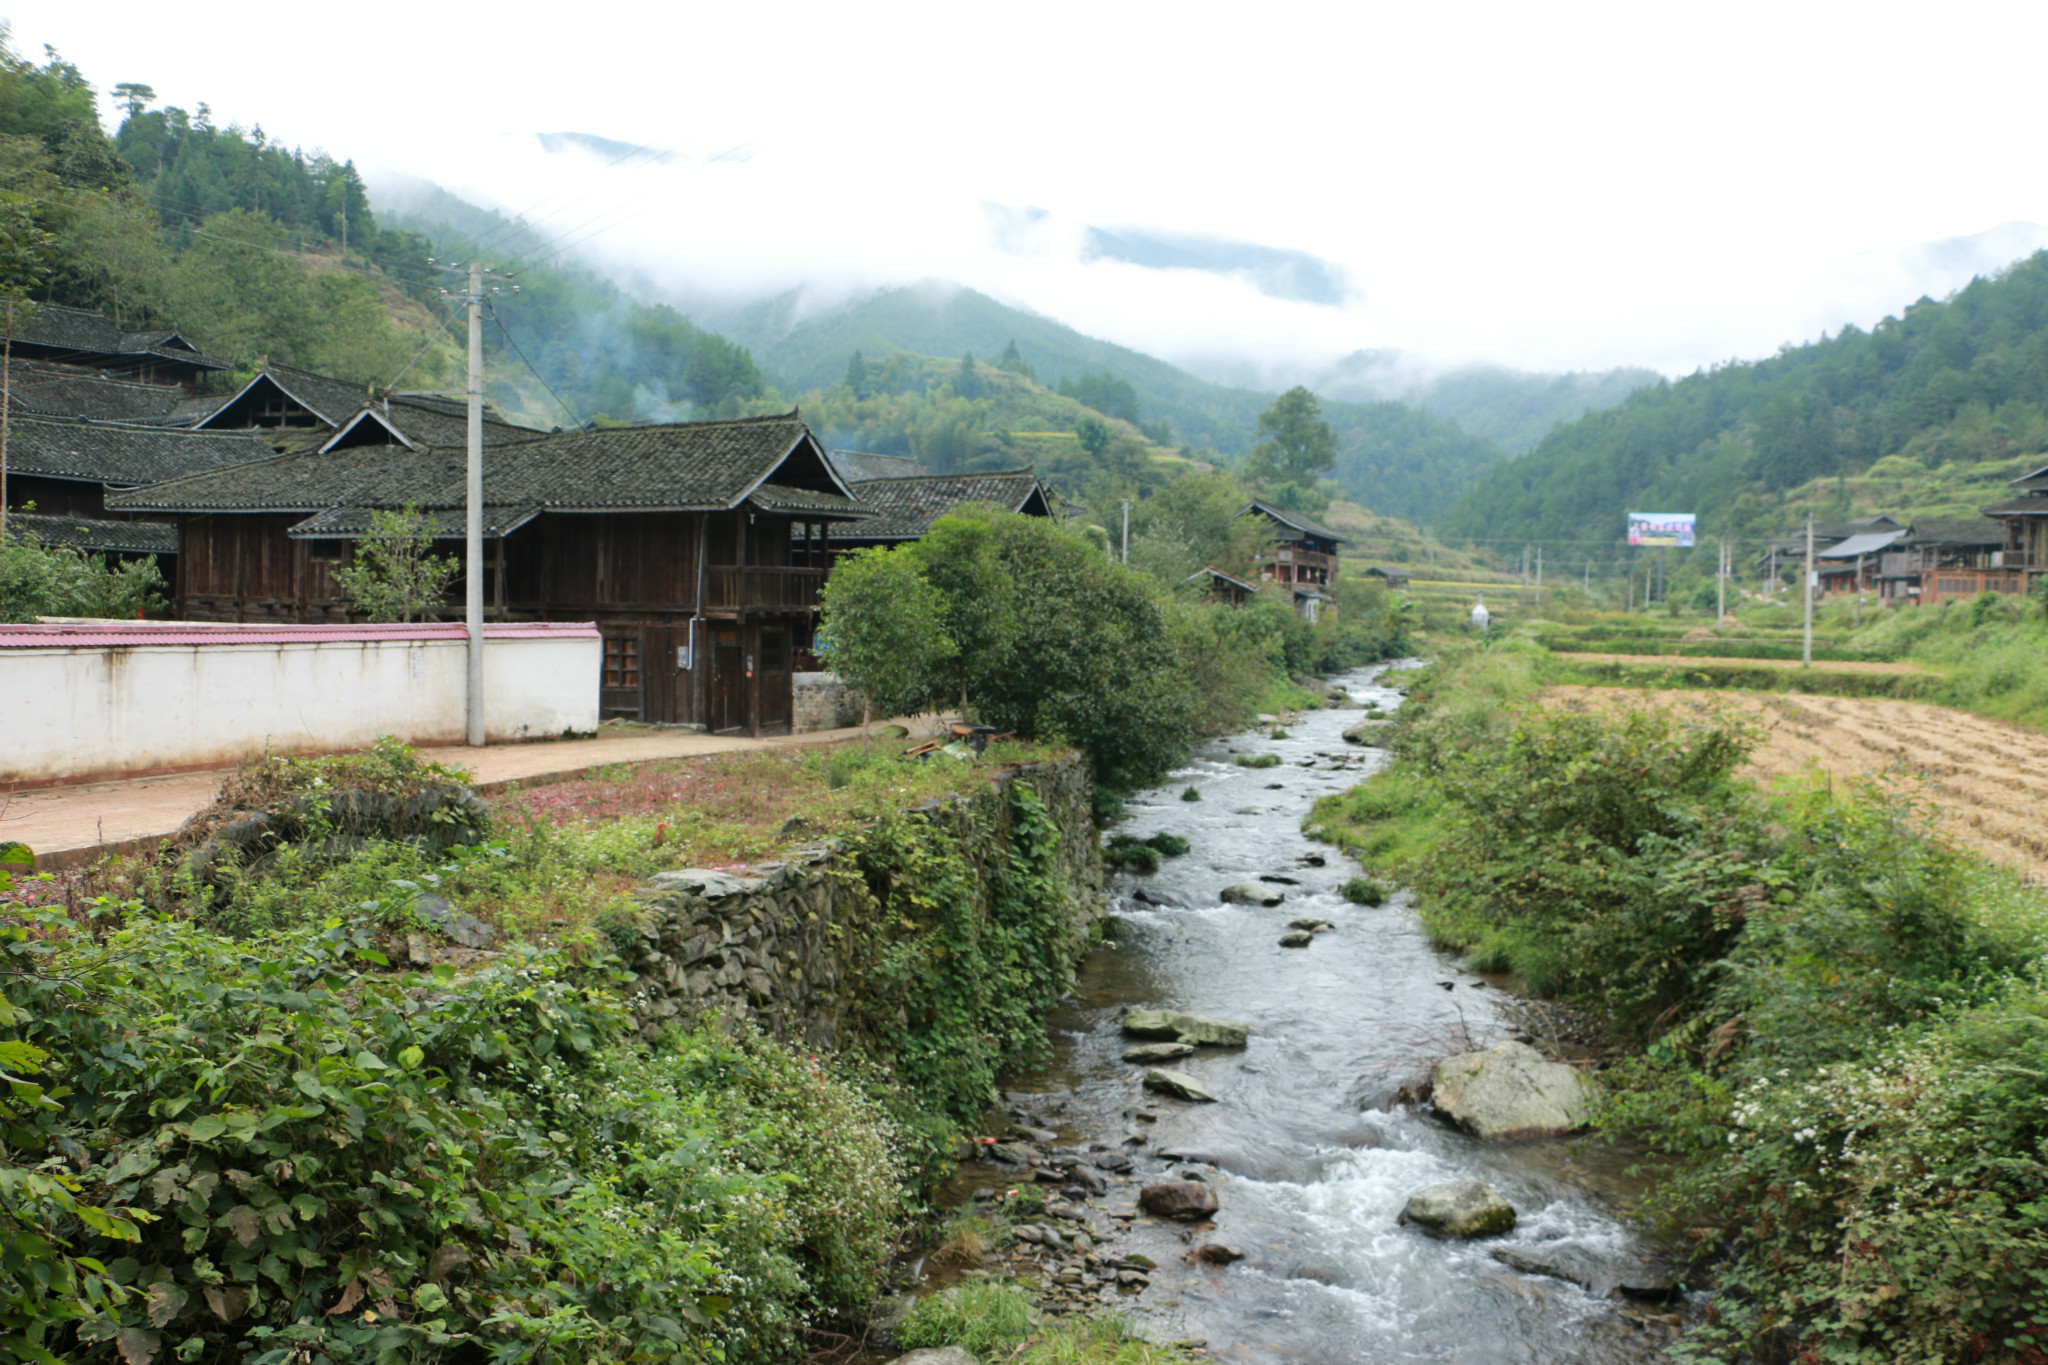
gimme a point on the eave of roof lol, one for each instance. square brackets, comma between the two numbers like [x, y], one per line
[91, 533]
[1300, 522]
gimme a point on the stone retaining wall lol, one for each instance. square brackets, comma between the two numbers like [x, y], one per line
[823, 701]
[782, 943]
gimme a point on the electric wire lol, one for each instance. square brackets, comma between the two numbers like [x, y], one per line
[506, 332]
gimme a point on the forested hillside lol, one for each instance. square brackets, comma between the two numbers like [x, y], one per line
[1931, 408]
[609, 357]
[197, 243]
[1392, 458]
[259, 252]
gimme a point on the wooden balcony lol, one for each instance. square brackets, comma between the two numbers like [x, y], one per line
[754, 588]
[1290, 565]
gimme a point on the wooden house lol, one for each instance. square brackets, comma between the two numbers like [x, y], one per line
[1302, 557]
[2023, 519]
[85, 339]
[60, 474]
[1790, 551]
[905, 508]
[1946, 557]
[1851, 565]
[699, 548]
[1226, 588]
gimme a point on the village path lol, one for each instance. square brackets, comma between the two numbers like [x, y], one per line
[66, 826]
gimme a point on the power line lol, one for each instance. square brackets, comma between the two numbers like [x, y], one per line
[506, 332]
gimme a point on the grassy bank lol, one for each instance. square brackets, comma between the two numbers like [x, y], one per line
[1838, 1018]
[240, 1128]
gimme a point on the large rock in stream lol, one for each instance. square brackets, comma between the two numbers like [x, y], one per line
[1188, 1199]
[1507, 1092]
[1178, 1084]
[1173, 1026]
[1460, 1208]
[1252, 893]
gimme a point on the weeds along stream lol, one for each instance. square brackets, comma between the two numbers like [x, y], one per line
[1311, 1157]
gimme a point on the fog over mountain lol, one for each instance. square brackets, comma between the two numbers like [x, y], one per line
[718, 232]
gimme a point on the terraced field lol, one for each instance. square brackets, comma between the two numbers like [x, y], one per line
[1987, 780]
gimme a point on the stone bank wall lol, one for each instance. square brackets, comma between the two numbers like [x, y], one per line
[788, 944]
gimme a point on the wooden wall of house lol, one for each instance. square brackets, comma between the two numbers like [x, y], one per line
[57, 497]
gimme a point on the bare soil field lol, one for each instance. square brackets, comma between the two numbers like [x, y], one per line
[1987, 780]
[1683, 660]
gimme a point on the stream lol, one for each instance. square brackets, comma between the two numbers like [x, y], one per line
[1309, 1153]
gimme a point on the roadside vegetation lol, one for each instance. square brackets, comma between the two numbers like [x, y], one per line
[37, 579]
[1837, 1018]
[247, 1118]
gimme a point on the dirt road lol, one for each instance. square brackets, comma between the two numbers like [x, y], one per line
[1688, 660]
[1988, 779]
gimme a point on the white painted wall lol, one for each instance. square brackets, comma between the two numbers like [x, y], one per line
[69, 710]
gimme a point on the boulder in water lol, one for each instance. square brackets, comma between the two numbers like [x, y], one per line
[1297, 938]
[1216, 1253]
[1149, 1054]
[1146, 895]
[1175, 1026]
[1178, 1084]
[1252, 893]
[1509, 1091]
[1178, 1199]
[1460, 1208]
[1536, 1265]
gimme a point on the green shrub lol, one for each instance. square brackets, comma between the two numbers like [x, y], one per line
[1172, 845]
[1364, 891]
[1130, 854]
[1190, 794]
[288, 1152]
[1257, 760]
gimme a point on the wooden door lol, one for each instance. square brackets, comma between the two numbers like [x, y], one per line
[621, 692]
[730, 682]
[777, 683]
[667, 683]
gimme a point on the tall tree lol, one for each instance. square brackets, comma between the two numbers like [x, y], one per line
[1295, 444]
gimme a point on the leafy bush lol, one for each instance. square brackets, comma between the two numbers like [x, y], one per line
[50, 580]
[1257, 760]
[295, 1154]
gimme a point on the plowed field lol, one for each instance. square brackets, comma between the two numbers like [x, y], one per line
[1988, 780]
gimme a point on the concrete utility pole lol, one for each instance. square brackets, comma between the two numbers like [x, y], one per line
[6, 402]
[473, 545]
[1721, 584]
[1806, 589]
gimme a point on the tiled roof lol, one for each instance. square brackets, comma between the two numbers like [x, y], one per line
[114, 453]
[1955, 531]
[450, 523]
[87, 332]
[908, 507]
[1867, 543]
[775, 497]
[1298, 521]
[424, 423]
[857, 466]
[96, 398]
[2019, 507]
[693, 466]
[1212, 572]
[85, 533]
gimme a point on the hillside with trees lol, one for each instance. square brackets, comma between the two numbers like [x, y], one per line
[1927, 412]
[1392, 458]
[81, 225]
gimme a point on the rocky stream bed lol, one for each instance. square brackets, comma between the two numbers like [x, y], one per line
[1257, 1195]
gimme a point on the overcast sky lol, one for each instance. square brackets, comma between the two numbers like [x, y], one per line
[1554, 186]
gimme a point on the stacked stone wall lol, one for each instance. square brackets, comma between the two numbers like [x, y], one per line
[823, 701]
[784, 943]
